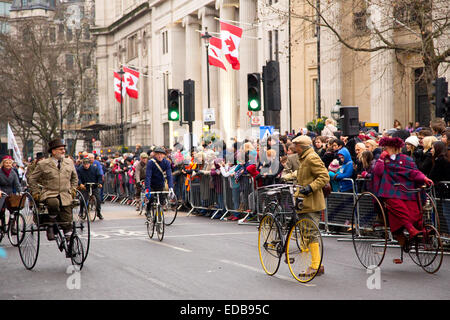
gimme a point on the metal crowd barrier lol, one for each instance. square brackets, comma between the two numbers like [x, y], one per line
[219, 197]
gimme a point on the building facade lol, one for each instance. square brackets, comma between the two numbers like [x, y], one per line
[163, 41]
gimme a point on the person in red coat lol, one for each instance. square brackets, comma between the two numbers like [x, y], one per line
[393, 168]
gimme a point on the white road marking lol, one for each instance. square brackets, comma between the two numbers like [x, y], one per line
[261, 271]
[165, 244]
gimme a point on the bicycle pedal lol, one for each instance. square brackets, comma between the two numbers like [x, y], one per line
[398, 261]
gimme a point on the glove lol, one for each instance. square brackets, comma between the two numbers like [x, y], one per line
[73, 192]
[148, 194]
[384, 154]
[36, 196]
[305, 190]
[82, 187]
[428, 181]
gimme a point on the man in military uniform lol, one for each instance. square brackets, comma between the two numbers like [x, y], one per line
[59, 180]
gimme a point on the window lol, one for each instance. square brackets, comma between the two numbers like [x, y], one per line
[61, 32]
[69, 61]
[52, 34]
[132, 47]
[86, 60]
[69, 35]
[146, 97]
[360, 22]
[165, 88]
[165, 42]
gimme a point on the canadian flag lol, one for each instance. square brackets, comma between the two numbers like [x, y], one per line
[214, 51]
[231, 37]
[118, 83]
[131, 79]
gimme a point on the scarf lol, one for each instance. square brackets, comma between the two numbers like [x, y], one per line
[6, 171]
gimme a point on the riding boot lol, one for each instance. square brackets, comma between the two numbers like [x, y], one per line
[50, 228]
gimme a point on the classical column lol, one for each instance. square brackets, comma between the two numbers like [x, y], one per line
[248, 52]
[381, 70]
[228, 106]
[193, 69]
[330, 58]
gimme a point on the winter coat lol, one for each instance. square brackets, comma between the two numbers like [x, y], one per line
[312, 172]
[345, 171]
[9, 184]
[441, 172]
[389, 172]
[56, 182]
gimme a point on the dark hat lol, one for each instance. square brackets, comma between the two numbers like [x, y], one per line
[395, 142]
[159, 150]
[56, 143]
[39, 155]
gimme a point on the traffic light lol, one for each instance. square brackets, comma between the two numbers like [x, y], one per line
[439, 95]
[254, 91]
[174, 104]
[271, 80]
[189, 100]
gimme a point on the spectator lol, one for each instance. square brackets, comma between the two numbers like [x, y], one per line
[332, 170]
[329, 129]
[412, 147]
[438, 128]
[319, 145]
[372, 146]
[345, 171]
[368, 163]
[397, 124]
[426, 163]
[358, 167]
[440, 170]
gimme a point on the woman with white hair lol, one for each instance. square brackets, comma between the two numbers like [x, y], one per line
[330, 128]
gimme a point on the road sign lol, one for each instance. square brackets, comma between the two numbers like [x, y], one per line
[256, 121]
[209, 116]
[265, 131]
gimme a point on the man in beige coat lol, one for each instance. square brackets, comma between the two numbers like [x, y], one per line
[58, 177]
[312, 176]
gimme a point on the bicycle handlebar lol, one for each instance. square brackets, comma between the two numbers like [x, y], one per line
[411, 190]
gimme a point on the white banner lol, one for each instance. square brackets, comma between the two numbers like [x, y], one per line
[12, 144]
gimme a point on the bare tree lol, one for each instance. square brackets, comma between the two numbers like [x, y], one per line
[413, 27]
[45, 58]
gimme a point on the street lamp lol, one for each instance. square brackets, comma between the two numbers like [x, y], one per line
[335, 110]
[206, 36]
[61, 131]
[121, 73]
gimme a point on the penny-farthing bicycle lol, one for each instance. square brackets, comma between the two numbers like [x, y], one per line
[35, 221]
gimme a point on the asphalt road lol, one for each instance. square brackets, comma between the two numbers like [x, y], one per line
[202, 259]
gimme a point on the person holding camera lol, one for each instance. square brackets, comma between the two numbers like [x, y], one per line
[312, 176]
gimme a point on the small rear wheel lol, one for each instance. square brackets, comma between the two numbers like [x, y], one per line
[76, 251]
[13, 227]
[428, 249]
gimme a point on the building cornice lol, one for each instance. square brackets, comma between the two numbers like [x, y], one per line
[125, 19]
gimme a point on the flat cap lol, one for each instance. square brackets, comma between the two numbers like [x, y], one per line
[303, 140]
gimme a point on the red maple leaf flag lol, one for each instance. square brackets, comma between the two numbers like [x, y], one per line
[214, 51]
[118, 83]
[131, 78]
[231, 37]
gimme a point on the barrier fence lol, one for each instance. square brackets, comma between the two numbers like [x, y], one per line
[219, 197]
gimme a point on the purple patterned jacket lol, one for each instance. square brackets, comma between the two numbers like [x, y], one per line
[402, 170]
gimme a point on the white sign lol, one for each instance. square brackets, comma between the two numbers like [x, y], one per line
[256, 121]
[97, 144]
[209, 115]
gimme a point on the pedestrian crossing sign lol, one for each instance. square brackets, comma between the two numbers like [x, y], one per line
[265, 132]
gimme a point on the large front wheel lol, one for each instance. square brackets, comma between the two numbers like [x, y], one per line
[28, 233]
[369, 230]
[270, 244]
[304, 250]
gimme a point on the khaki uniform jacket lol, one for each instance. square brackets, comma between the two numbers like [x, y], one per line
[312, 172]
[55, 182]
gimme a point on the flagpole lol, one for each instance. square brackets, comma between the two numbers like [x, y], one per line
[207, 36]
[121, 73]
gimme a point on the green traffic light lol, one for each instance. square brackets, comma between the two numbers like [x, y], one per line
[173, 115]
[254, 104]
